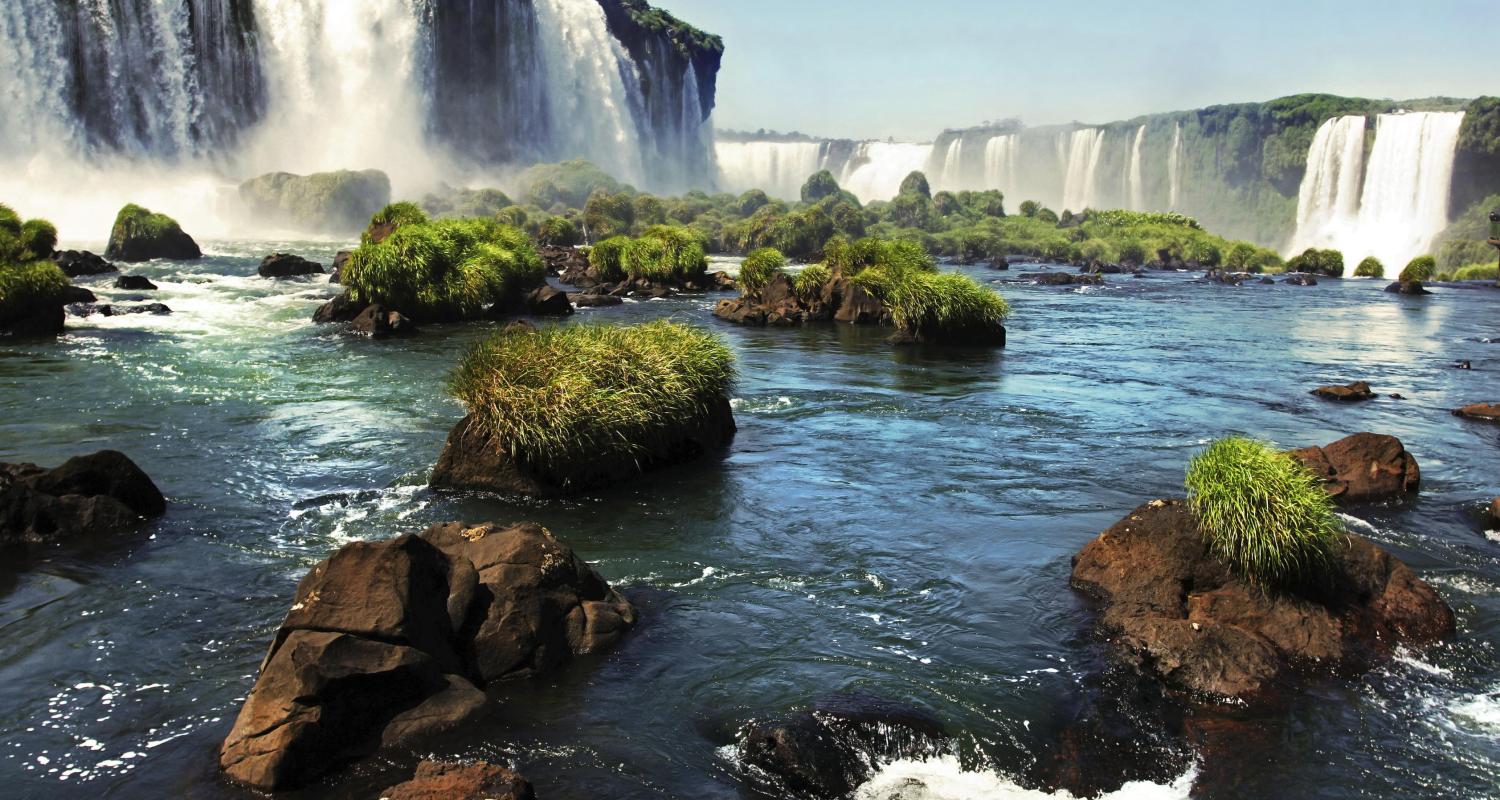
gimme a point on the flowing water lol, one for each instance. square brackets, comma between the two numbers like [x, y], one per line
[889, 520]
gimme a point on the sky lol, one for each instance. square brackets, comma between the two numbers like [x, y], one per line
[907, 70]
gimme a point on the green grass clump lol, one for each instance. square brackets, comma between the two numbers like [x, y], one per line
[558, 232]
[1262, 513]
[809, 282]
[25, 286]
[397, 215]
[23, 242]
[1370, 268]
[1421, 268]
[444, 269]
[665, 253]
[760, 267]
[608, 258]
[135, 222]
[1472, 272]
[935, 303]
[563, 397]
[1318, 262]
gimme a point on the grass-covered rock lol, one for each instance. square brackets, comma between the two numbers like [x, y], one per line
[140, 235]
[324, 202]
[759, 267]
[607, 259]
[1318, 262]
[1263, 513]
[384, 222]
[1419, 269]
[925, 305]
[32, 287]
[569, 408]
[665, 254]
[443, 270]
[1370, 268]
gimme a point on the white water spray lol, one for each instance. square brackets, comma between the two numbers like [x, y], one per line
[1133, 178]
[778, 168]
[1174, 168]
[1080, 186]
[1000, 154]
[882, 167]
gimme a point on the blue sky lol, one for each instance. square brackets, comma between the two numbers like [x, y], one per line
[879, 68]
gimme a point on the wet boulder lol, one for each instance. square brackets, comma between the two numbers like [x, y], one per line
[339, 260]
[378, 322]
[1349, 393]
[1362, 468]
[1061, 279]
[78, 263]
[1175, 613]
[343, 308]
[1485, 412]
[545, 301]
[1300, 279]
[563, 260]
[135, 283]
[1407, 287]
[587, 300]
[140, 235]
[286, 265]
[119, 310]
[325, 202]
[389, 642]
[99, 493]
[477, 781]
[1495, 511]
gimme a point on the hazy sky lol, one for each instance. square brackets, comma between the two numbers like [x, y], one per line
[908, 69]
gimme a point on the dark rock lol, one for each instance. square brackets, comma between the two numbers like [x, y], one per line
[98, 493]
[1359, 390]
[1061, 279]
[390, 641]
[1495, 511]
[1365, 467]
[78, 294]
[586, 300]
[285, 265]
[40, 319]
[343, 308]
[722, 282]
[478, 781]
[1098, 267]
[1300, 279]
[1174, 612]
[77, 263]
[1488, 412]
[339, 260]
[134, 283]
[115, 310]
[473, 460]
[563, 260]
[830, 749]
[545, 301]
[1266, 281]
[1396, 396]
[1407, 287]
[1000, 262]
[377, 322]
[139, 235]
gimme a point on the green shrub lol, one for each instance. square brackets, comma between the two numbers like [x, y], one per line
[607, 214]
[1047, 215]
[466, 203]
[608, 258]
[38, 239]
[934, 303]
[809, 283]
[751, 202]
[1370, 268]
[818, 186]
[916, 183]
[1472, 272]
[394, 215]
[564, 396]
[1029, 208]
[1097, 250]
[24, 286]
[665, 253]
[558, 232]
[1262, 513]
[1421, 268]
[1318, 262]
[444, 269]
[759, 267]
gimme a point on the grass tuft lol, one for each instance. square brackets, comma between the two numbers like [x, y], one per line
[810, 281]
[760, 267]
[563, 396]
[1262, 513]
[1370, 268]
[445, 269]
[665, 253]
[1419, 269]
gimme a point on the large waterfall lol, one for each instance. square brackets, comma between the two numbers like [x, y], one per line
[1134, 179]
[778, 168]
[1081, 183]
[113, 99]
[1000, 167]
[870, 170]
[1392, 206]
[1174, 169]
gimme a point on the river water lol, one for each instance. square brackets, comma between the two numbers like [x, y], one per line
[897, 522]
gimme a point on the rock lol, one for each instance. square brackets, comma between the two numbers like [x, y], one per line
[478, 781]
[139, 235]
[155, 309]
[1488, 412]
[78, 294]
[830, 749]
[1174, 612]
[98, 493]
[1362, 468]
[721, 281]
[339, 260]
[1097, 267]
[77, 263]
[39, 318]
[387, 642]
[326, 202]
[284, 265]
[1061, 278]
[343, 308]
[1300, 279]
[586, 300]
[1359, 390]
[545, 301]
[472, 460]
[1407, 287]
[1000, 262]
[377, 322]
[563, 260]
[134, 283]
[1495, 511]
[855, 305]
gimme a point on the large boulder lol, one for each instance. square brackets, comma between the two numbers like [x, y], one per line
[478, 781]
[1407, 287]
[378, 322]
[135, 283]
[1176, 613]
[388, 642]
[77, 263]
[545, 301]
[1365, 467]
[343, 308]
[140, 235]
[325, 202]
[1486, 412]
[99, 493]
[286, 265]
[1353, 392]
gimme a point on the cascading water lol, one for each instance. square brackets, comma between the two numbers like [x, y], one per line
[1174, 169]
[1133, 178]
[1399, 207]
[952, 174]
[879, 167]
[1080, 186]
[1000, 154]
[778, 168]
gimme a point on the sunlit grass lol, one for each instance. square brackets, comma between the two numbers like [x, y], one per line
[451, 268]
[759, 267]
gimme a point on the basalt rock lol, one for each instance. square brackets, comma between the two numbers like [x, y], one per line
[1300, 279]
[1365, 467]
[545, 301]
[378, 322]
[1061, 279]
[1495, 511]
[77, 263]
[563, 260]
[343, 308]
[339, 260]
[41, 318]
[473, 459]
[1359, 390]
[388, 642]
[286, 265]
[478, 781]
[99, 493]
[1174, 612]
[1407, 287]
[1487, 412]
[135, 283]
[585, 300]
[139, 235]
[117, 310]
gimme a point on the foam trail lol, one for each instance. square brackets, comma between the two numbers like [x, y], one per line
[942, 778]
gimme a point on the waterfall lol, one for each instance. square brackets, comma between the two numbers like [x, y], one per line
[877, 169]
[1080, 185]
[951, 176]
[585, 87]
[1133, 178]
[1000, 154]
[1403, 204]
[779, 168]
[1174, 168]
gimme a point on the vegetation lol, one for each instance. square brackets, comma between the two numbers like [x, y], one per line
[563, 396]
[1318, 262]
[1370, 268]
[444, 269]
[922, 301]
[566, 185]
[459, 203]
[608, 258]
[28, 278]
[1473, 272]
[665, 253]
[809, 283]
[759, 267]
[135, 222]
[326, 201]
[1421, 268]
[686, 39]
[1262, 513]
[393, 216]
[558, 232]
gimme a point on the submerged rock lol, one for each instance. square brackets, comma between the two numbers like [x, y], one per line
[478, 781]
[390, 641]
[1300, 279]
[116, 310]
[77, 263]
[1362, 468]
[1407, 287]
[1174, 612]
[1488, 412]
[343, 308]
[586, 300]
[99, 493]
[285, 265]
[377, 322]
[1353, 392]
[135, 283]
[1061, 278]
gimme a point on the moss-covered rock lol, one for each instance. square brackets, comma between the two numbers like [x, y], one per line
[140, 235]
[325, 202]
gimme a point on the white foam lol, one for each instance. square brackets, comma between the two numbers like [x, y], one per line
[943, 778]
[1481, 712]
